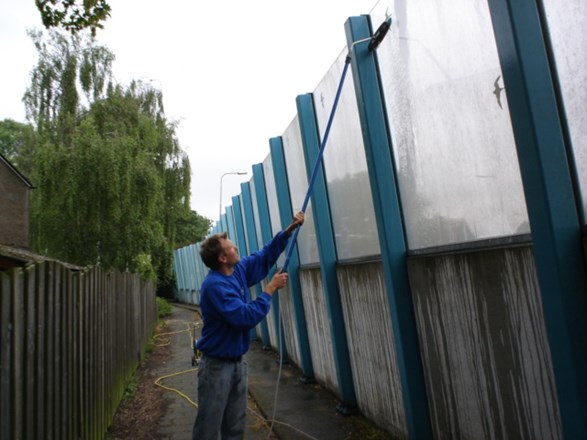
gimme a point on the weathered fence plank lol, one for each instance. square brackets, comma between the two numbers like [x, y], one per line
[69, 343]
[17, 342]
[5, 361]
[30, 326]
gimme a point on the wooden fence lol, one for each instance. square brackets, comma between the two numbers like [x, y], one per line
[70, 341]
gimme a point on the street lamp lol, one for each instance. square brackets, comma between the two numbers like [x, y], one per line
[240, 173]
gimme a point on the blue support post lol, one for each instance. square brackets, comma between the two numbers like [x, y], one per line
[203, 272]
[266, 235]
[253, 247]
[223, 223]
[184, 279]
[550, 199]
[199, 271]
[327, 252]
[176, 268]
[191, 272]
[239, 226]
[230, 224]
[295, 288]
[386, 202]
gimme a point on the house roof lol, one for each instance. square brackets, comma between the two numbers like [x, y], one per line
[11, 257]
[16, 172]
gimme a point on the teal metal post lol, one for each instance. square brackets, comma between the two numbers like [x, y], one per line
[266, 235]
[326, 252]
[239, 227]
[191, 271]
[390, 228]
[293, 270]
[223, 223]
[202, 270]
[253, 247]
[551, 201]
[230, 224]
[177, 269]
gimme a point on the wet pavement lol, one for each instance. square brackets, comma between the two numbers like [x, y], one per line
[304, 411]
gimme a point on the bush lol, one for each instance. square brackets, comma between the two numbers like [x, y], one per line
[163, 308]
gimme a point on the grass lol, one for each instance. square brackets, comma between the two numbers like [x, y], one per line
[131, 387]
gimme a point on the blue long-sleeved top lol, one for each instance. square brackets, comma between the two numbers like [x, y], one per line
[226, 304]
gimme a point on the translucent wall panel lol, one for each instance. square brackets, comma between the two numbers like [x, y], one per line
[256, 213]
[455, 154]
[271, 189]
[298, 186]
[567, 22]
[271, 195]
[345, 164]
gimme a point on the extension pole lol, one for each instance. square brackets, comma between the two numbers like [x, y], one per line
[318, 161]
[374, 42]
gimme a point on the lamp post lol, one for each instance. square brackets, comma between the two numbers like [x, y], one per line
[240, 173]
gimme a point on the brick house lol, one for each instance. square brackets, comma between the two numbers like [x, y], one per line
[14, 206]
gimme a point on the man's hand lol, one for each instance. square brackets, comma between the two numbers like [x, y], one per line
[296, 222]
[278, 281]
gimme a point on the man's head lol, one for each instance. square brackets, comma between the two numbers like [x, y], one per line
[217, 251]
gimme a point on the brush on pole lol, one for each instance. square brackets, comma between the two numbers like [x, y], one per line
[374, 42]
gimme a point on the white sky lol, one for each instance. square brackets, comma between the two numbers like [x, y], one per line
[229, 71]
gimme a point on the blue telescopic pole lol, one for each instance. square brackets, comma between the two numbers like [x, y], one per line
[317, 164]
[374, 42]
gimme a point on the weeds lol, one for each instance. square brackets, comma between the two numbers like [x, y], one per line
[163, 308]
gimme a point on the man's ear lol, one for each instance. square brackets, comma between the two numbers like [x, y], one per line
[222, 258]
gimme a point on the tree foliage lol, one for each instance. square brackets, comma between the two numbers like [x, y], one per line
[74, 15]
[16, 143]
[113, 184]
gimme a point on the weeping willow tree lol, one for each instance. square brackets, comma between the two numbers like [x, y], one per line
[113, 184]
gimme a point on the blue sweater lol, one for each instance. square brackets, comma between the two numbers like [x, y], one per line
[226, 304]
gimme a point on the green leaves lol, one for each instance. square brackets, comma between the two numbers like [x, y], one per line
[72, 15]
[113, 185]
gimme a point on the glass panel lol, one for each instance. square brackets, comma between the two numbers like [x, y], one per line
[298, 186]
[256, 213]
[271, 195]
[567, 22]
[345, 165]
[271, 189]
[452, 138]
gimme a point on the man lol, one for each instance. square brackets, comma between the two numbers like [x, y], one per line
[229, 315]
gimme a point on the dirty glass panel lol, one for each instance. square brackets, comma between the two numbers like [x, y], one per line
[567, 22]
[298, 186]
[256, 213]
[454, 148]
[273, 203]
[345, 167]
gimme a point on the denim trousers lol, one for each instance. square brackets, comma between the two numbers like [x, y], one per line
[222, 400]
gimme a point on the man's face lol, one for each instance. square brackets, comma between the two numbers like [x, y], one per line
[229, 254]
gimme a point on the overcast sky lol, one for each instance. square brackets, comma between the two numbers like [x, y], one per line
[229, 71]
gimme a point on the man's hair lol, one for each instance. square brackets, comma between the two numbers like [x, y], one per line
[211, 249]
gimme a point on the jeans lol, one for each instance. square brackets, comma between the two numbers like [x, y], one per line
[222, 400]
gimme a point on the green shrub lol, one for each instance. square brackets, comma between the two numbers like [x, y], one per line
[163, 308]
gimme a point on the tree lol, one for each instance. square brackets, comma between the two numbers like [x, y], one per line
[191, 228]
[16, 143]
[113, 182]
[74, 15]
